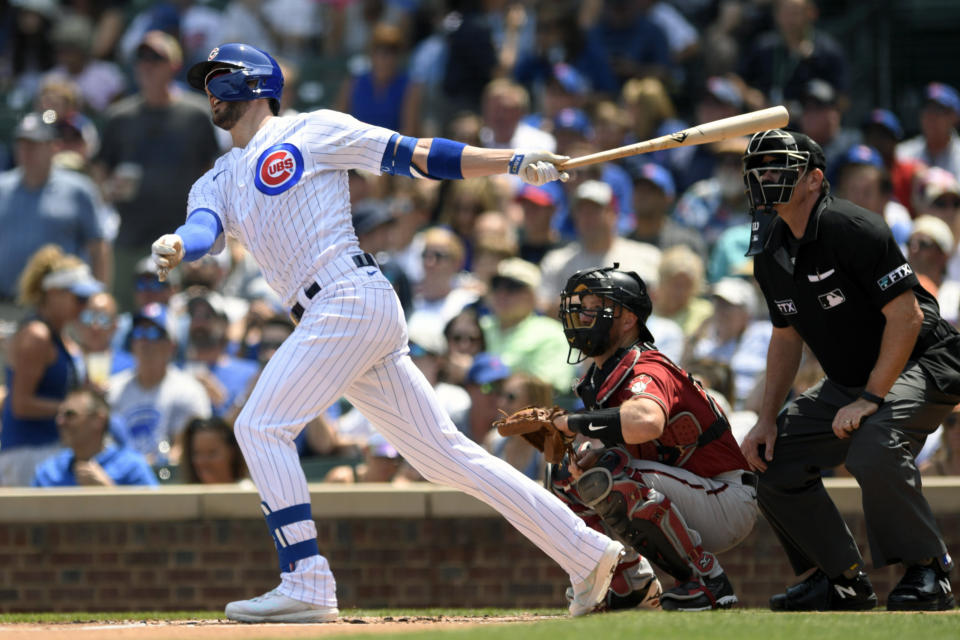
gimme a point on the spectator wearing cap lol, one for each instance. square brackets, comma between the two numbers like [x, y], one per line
[155, 144]
[373, 222]
[77, 136]
[940, 197]
[147, 288]
[41, 204]
[734, 335]
[537, 234]
[720, 98]
[595, 220]
[484, 383]
[380, 94]
[42, 361]
[929, 249]
[153, 402]
[938, 144]
[861, 177]
[225, 377]
[717, 203]
[100, 81]
[525, 340]
[653, 197]
[881, 130]
[821, 118]
[561, 87]
[573, 129]
[784, 59]
[87, 460]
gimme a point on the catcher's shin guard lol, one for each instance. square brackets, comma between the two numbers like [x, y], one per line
[647, 521]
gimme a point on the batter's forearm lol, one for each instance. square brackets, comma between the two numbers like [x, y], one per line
[475, 162]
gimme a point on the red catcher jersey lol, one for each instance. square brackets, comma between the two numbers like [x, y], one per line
[687, 410]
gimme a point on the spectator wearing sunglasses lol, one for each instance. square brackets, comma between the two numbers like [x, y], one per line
[524, 340]
[464, 341]
[520, 390]
[95, 329]
[439, 296]
[147, 289]
[42, 360]
[154, 401]
[87, 460]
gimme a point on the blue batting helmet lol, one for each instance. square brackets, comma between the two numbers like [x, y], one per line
[247, 63]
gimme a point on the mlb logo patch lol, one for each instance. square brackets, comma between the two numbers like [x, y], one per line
[786, 307]
[832, 299]
[278, 169]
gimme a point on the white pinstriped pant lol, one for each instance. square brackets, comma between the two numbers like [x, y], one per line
[352, 342]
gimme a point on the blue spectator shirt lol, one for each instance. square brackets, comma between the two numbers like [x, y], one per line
[124, 466]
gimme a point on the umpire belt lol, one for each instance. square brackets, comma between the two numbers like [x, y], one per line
[362, 260]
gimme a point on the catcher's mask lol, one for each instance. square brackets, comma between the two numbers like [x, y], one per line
[588, 330]
[773, 164]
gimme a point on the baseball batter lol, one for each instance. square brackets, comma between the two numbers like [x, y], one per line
[671, 482]
[282, 192]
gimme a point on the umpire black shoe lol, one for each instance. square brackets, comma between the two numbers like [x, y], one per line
[700, 595]
[922, 588]
[820, 593]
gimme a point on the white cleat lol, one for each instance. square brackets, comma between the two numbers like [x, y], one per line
[588, 593]
[276, 607]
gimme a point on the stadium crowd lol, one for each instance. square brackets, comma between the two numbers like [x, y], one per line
[130, 380]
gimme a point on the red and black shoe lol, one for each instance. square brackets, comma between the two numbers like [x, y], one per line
[700, 595]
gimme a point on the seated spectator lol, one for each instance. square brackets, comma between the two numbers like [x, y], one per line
[821, 118]
[95, 328]
[147, 289]
[945, 460]
[731, 334]
[154, 401]
[881, 130]
[595, 219]
[464, 339]
[520, 390]
[100, 81]
[928, 250]
[652, 114]
[938, 144]
[211, 454]
[862, 178]
[83, 421]
[720, 98]
[653, 197]
[718, 202]
[373, 222]
[524, 340]
[537, 235]
[42, 360]
[225, 377]
[439, 295]
[679, 283]
[484, 382]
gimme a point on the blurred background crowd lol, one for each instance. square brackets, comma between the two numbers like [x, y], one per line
[123, 379]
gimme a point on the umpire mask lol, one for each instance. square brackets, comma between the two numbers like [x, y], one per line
[588, 330]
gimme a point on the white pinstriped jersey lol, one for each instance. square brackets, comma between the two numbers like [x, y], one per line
[285, 195]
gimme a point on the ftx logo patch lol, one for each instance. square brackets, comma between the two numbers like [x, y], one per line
[786, 307]
[894, 276]
[832, 299]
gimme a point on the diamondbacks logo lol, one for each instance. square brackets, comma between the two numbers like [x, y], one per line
[278, 169]
[894, 276]
[640, 384]
[832, 299]
[786, 307]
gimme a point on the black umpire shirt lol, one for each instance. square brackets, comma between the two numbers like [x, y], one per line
[831, 285]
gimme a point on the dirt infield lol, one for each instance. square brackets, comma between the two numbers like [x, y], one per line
[215, 629]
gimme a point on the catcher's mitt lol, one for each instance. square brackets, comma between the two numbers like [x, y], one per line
[535, 425]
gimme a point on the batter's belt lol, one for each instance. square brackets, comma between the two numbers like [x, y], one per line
[362, 260]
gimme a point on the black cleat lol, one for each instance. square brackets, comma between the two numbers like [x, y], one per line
[700, 595]
[819, 593]
[922, 588]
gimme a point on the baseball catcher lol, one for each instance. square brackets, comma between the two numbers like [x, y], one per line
[657, 466]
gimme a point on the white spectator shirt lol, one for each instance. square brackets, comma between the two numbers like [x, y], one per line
[285, 195]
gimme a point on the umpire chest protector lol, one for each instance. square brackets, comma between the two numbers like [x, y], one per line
[623, 377]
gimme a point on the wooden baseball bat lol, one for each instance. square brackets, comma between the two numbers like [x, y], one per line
[741, 125]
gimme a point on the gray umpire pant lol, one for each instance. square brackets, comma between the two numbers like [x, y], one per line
[880, 455]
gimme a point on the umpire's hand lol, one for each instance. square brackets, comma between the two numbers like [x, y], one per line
[764, 433]
[167, 253]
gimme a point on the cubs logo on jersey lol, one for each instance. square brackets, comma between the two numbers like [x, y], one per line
[278, 169]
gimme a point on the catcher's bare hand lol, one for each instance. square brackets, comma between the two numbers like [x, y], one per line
[538, 167]
[167, 253]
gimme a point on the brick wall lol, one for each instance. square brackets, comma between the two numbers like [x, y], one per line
[378, 562]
